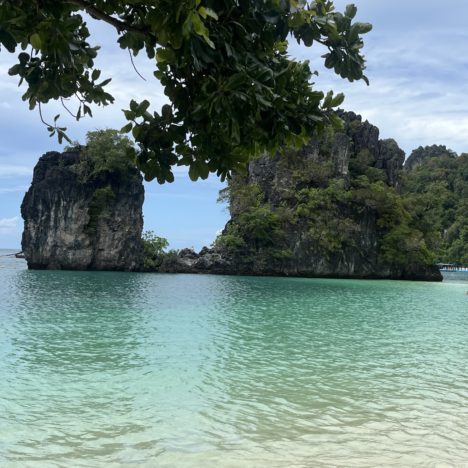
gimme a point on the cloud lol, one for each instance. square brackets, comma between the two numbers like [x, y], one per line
[10, 170]
[418, 75]
[18, 188]
[8, 225]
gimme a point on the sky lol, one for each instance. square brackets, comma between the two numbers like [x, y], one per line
[418, 94]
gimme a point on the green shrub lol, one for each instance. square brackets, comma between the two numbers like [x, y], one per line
[154, 250]
[101, 199]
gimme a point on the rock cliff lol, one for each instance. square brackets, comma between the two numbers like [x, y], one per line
[331, 209]
[422, 154]
[78, 218]
[435, 187]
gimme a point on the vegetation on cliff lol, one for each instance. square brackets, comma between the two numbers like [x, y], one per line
[154, 250]
[106, 152]
[83, 215]
[233, 89]
[435, 191]
[330, 203]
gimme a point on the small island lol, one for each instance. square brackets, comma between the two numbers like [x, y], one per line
[83, 210]
[346, 205]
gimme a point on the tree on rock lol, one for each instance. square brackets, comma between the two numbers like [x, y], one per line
[233, 90]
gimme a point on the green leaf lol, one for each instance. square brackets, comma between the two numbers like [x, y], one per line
[165, 55]
[143, 107]
[166, 112]
[95, 75]
[211, 13]
[14, 70]
[193, 172]
[7, 40]
[201, 29]
[129, 115]
[351, 11]
[136, 132]
[87, 110]
[36, 41]
[338, 100]
[105, 82]
[329, 61]
[203, 169]
[328, 100]
[126, 128]
[198, 25]
[170, 177]
[204, 12]
[363, 28]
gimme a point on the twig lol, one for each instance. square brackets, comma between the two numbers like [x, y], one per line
[134, 67]
[67, 109]
[40, 115]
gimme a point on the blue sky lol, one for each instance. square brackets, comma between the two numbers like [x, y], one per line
[417, 64]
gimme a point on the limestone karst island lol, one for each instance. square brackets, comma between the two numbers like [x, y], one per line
[346, 205]
[233, 234]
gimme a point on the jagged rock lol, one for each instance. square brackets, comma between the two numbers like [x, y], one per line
[75, 224]
[188, 254]
[206, 261]
[390, 159]
[363, 134]
[342, 157]
[419, 155]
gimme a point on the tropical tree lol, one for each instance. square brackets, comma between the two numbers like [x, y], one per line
[233, 90]
[154, 249]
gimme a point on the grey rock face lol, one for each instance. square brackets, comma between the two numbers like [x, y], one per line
[206, 261]
[82, 225]
[390, 159]
[386, 154]
[281, 178]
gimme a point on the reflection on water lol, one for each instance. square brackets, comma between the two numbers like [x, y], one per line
[181, 370]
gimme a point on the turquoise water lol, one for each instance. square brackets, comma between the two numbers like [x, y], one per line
[116, 369]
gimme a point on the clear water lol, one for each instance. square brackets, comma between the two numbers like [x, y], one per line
[116, 369]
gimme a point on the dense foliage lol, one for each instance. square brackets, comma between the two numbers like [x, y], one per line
[435, 190]
[105, 150]
[313, 211]
[233, 90]
[154, 250]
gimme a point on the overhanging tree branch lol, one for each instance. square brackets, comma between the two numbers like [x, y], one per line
[119, 25]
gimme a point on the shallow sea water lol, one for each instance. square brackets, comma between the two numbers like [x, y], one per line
[116, 369]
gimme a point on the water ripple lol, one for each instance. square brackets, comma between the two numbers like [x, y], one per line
[109, 369]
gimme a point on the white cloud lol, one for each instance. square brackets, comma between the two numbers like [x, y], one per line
[8, 225]
[18, 188]
[10, 170]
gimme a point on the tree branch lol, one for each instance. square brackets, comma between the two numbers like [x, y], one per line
[134, 67]
[100, 15]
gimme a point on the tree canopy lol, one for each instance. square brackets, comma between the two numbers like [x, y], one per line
[435, 190]
[105, 150]
[233, 90]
